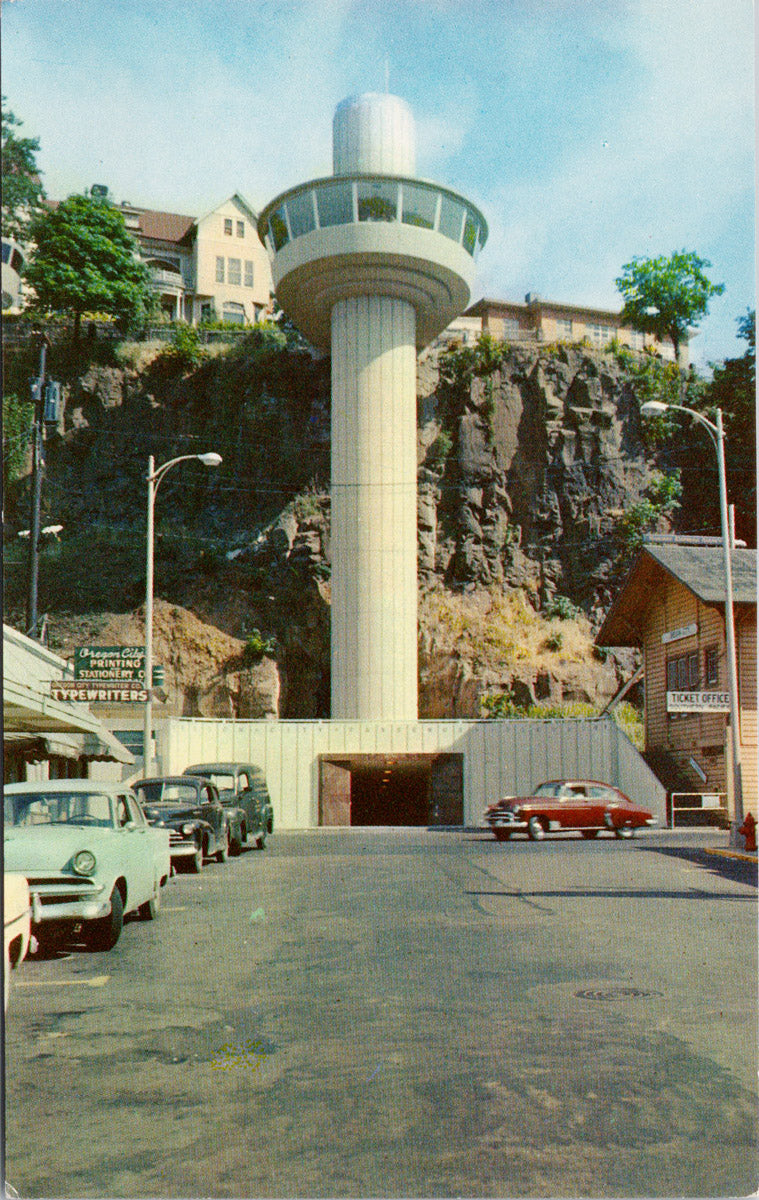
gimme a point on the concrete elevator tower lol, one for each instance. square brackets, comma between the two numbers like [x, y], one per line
[372, 264]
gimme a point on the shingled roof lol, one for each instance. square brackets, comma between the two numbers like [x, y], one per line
[163, 226]
[698, 567]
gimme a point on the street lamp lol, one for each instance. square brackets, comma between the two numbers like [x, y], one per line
[154, 477]
[717, 434]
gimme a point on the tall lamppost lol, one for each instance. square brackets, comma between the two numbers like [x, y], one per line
[154, 477]
[717, 434]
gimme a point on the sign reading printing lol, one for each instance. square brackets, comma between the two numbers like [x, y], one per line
[93, 691]
[110, 663]
[693, 702]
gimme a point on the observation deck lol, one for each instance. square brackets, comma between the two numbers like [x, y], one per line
[368, 234]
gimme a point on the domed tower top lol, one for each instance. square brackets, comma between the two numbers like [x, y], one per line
[374, 134]
[372, 228]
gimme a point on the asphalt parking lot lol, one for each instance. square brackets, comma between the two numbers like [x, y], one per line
[385, 1012]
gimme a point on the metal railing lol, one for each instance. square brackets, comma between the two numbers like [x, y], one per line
[711, 805]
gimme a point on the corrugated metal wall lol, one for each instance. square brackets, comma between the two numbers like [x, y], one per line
[500, 757]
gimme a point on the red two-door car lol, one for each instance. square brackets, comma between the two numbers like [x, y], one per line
[582, 804]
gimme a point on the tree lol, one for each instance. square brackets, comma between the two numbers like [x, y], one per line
[22, 189]
[733, 388]
[665, 295]
[85, 260]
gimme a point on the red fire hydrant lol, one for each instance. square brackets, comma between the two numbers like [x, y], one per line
[748, 829]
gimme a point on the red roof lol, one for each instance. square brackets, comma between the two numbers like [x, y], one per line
[164, 226]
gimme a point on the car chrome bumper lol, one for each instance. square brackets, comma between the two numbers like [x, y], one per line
[69, 910]
[183, 849]
[505, 821]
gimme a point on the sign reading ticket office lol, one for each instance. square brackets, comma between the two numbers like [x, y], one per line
[698, 702]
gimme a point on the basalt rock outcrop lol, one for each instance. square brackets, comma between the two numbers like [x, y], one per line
[524, 470]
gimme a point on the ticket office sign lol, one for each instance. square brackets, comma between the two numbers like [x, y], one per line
[698, 702]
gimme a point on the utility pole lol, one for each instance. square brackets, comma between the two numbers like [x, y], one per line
[38, 396]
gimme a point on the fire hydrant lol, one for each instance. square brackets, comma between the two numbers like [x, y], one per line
[748, 829]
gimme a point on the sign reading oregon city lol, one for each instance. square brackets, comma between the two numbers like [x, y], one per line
[695, 702]
[105, 674]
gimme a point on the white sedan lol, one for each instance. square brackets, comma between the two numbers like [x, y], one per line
[17, 916]
[89, 856]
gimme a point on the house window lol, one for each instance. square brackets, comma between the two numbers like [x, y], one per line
[563, 327]
[219, 270]
[600, 334]
[711, 666]
[248, 273]
[510, 327]
[227, 226]
[241, 229]
[233, 270]
[234, 312]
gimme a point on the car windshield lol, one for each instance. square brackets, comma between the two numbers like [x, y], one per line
[224, 783]
[549, 789]
[158, 792]
[59, 808]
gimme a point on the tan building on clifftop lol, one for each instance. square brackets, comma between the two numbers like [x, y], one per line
[539, 320]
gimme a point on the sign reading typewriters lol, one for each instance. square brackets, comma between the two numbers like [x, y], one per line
[695, 702]
[97, 691]
[110, 663]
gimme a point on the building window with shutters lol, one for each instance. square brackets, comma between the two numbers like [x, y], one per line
[683, 673]
[219, 270]
[233, 271]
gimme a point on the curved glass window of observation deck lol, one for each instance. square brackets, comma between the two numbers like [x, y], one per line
[348, 200]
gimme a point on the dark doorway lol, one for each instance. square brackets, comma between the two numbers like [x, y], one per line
[385, 789]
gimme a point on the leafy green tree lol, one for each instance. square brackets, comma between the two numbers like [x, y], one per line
[733, 388]
[85, 260]
[664, 295]
[22, 187]
[18, 415]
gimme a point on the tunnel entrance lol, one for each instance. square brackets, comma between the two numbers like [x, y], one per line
[391, 789]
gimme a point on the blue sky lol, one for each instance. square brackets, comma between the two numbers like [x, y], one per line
[588, 131]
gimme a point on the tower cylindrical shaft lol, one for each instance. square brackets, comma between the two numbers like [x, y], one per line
[374, 527]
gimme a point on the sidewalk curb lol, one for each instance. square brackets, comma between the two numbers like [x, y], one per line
[741, 854]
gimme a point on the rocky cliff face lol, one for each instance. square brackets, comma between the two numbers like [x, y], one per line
[526, 461]
[545, 455]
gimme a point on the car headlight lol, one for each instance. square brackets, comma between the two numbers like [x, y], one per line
[188, 829]
[84, 862]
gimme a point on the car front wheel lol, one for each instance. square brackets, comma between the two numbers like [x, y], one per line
[222, 855]
[535, 830]
[261, 840]
[104, 933]
[150, 909]
[195, 863]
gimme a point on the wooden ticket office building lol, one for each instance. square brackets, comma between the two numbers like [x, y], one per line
[672, 605]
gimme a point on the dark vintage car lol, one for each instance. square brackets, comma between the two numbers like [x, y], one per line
[199, 825]
[245, 785]
[581, 804]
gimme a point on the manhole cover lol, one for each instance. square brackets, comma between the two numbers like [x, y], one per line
[614, 993]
